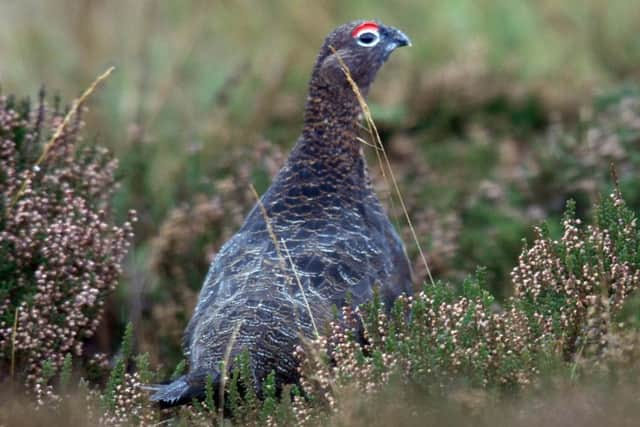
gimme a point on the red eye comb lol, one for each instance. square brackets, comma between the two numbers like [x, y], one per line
[367, 25]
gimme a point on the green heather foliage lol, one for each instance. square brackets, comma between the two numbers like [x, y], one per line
[117, 377]
[65, 372]
[123, 400]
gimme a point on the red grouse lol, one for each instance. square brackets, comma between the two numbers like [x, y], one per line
[326, 237]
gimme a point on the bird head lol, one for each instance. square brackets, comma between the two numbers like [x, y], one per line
[361, 46]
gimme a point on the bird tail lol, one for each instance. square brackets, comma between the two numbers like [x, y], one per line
[183, 389]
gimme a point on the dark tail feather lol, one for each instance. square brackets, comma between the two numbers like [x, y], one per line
[182, 390]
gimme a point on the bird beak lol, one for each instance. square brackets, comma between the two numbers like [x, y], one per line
[400, 38]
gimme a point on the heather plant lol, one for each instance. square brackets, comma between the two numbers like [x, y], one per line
[514, 183]
[60, 253]
[563, 319]
[579, 282]
[434, 341]
[123, 398]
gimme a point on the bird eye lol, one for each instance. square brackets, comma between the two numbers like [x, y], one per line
[368, 38]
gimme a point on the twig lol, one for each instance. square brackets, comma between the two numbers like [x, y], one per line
[58, 133]
[373, 131]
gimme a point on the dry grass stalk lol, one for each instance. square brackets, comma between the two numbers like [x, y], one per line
[58, 133]
[304, 296]
[282, 263]
[223, 377]
[373, 131]
[268, 223]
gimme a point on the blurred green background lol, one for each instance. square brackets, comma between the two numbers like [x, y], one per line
[500, 112]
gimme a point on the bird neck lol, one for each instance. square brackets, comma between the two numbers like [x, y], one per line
[332, 118]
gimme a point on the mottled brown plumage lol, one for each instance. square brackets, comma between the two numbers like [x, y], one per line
[328, 223]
